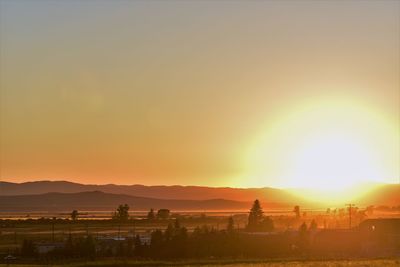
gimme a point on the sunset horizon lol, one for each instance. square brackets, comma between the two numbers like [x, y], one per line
[170, 132]
[167, 184]
[296, 101]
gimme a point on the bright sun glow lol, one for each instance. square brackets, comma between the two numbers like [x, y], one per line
[331, 146]
[332, 160]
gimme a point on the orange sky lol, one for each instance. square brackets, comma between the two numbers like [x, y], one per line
[214, 93]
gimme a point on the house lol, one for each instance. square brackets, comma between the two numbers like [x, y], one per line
[385, 226]
[113, 245]
[380, 236]
[109, 245]
[145, 239]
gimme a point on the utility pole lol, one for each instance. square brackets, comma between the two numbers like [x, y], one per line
[119, 227]
[52, 228]
[351, 206]
[134, 227]
[87, 228]
[119, 230]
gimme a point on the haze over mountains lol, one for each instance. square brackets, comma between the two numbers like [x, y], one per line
[64, 195]
[164, 192]
[98, 201]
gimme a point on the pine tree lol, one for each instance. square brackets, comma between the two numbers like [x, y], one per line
[255, 216]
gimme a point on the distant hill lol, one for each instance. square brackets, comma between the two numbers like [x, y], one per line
[388, 194]
[270, 195]
[100, 201]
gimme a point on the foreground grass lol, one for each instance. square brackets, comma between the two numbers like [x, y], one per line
[238, 263]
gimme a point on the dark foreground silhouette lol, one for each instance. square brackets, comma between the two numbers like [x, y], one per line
[372, 238]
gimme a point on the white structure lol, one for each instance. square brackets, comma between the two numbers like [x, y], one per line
[43, 248]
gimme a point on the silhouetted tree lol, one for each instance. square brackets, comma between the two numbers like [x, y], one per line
[267, 225]
[176, 238]
[86, 247]
[296, 210]
[122, 213]
[151, 215]
[328, 211]
[74, 215]
[303, 227]
[157, 238]
[157, 244]
[163, 213]
[313, 225]
[303, 236]
[255, 216]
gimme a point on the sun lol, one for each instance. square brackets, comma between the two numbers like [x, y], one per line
[328, 145]
[332, 161]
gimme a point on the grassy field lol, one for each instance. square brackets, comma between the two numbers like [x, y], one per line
[236, 263]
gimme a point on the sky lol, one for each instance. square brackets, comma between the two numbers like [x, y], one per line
[216, 93]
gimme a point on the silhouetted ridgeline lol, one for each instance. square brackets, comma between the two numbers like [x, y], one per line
[382, 195]
[97, 200]
[165, 192]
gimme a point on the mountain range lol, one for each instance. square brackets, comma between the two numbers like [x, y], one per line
[100, 201]
[161, 191]
[64, 195]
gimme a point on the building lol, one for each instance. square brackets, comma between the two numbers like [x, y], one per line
[386, 226]
[109, 245]
[145, 239]
[380, 236]
[46, 247]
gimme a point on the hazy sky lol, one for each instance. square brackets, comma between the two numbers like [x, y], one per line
[190, 92]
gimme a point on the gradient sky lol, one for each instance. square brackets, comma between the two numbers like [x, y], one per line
[189, 92]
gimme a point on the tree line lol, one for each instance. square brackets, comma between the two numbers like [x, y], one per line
[257, 239]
